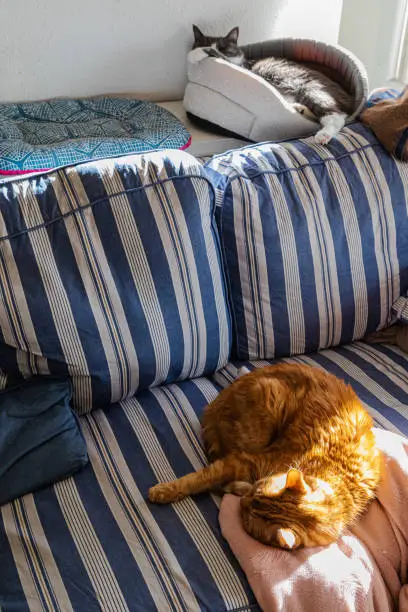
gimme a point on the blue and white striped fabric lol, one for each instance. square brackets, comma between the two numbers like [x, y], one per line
[93, 543]
[400, 309]
[110, 273]
[3, 380]
[315, 240]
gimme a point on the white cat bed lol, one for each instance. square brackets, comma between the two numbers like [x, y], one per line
[241, 102]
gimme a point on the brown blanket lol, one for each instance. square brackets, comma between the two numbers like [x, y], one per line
[366, 570]
[389, 121]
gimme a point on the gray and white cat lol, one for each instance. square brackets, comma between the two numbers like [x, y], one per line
[311, 93]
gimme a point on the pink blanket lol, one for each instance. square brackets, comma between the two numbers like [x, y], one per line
[365, 570]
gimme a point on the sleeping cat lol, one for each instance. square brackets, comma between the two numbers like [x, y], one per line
[296, 443]
[310, 92]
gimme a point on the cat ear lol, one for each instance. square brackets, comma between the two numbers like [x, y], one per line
[295, 481]
[233, 35]
[198, 35]
[286, 538]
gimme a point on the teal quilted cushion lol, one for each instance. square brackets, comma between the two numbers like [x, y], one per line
[42, 135]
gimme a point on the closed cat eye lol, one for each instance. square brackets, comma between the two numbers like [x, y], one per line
[258, 504]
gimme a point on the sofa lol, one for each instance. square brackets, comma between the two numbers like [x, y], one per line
[148, 281]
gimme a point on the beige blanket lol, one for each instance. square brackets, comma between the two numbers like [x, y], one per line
[365, 570]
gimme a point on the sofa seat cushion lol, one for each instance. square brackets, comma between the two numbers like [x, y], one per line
[315, 240]
[110, 272]
[92, 542]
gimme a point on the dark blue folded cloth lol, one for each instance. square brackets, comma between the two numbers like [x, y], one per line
[40, 437]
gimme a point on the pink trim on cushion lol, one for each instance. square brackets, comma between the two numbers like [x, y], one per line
[22, 172]
[188, 144]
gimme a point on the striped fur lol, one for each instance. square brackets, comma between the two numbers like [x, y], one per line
[315, 241]
[92, 542]
[110, 273]
[378, 374]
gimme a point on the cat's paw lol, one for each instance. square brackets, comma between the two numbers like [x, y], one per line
[164, 493]
[323, 137]
[303, 110]
[197, 55]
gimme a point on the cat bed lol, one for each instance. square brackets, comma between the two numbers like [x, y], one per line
[43, 135]
[237, 100]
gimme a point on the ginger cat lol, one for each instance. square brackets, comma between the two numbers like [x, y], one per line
[296, 443]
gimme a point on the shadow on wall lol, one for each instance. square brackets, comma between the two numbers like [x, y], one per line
[370, 28]
[133, 46]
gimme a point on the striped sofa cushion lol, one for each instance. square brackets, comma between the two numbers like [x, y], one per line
[110, 273]
[315, 240]
[91, 543]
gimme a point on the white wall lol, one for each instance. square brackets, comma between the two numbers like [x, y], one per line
[85, 47]
[370, 28]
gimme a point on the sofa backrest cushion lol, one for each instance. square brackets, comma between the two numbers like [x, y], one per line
[315, 241]
[110, 273]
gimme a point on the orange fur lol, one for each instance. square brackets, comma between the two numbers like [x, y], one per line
[296, 443]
